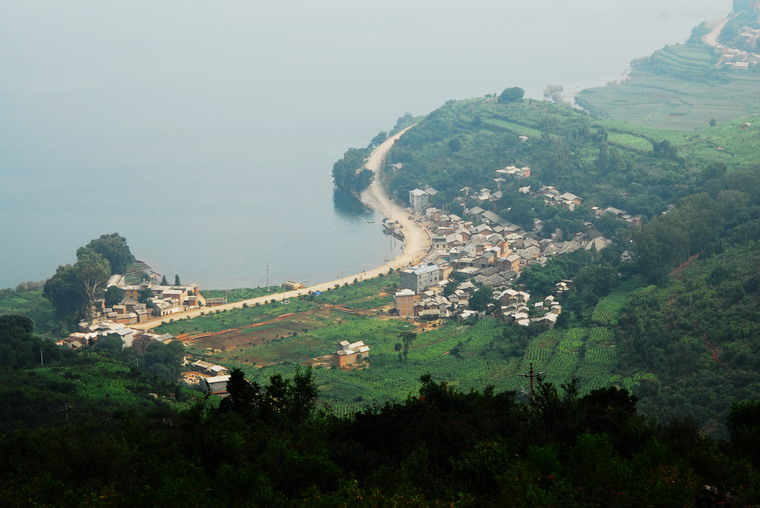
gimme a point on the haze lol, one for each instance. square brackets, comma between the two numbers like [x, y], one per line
[205, 132]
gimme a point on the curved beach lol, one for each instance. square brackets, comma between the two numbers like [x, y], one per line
[417, 244]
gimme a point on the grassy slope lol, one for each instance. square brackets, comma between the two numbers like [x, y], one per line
[34, 305]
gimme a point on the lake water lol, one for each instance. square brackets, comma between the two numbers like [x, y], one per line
[205, 132]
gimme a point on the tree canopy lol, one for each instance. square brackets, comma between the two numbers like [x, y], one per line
[349, 172]
[74, 288]
[19, 348]
[513, 94]
[113, 248]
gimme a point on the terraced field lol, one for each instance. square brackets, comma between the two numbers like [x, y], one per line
[677, 88]
[608, 309]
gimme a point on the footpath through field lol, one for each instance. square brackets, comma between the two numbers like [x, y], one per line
[417, 244]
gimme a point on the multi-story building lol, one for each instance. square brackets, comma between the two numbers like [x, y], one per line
[417, 278]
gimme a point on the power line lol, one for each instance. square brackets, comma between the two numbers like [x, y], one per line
[532, 375]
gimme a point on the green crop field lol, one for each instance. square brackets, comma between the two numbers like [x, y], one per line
[608, 309]
[630, 141]
[363, 295]
[516, 128]
[469, 357]
[236, 295]
[216, 321]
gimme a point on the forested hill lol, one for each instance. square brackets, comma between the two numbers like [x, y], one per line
[679, 294]
[607, 163]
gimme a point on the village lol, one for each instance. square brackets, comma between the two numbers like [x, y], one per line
[150, 301]
[738, 59]
[485, 250]
[480, 252]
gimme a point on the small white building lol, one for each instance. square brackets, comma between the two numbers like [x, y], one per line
[216, 385]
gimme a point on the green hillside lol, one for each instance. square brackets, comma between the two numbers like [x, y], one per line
[712, 174]
[688, 86]
[607, 162]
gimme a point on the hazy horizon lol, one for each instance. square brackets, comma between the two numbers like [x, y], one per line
[205, 133]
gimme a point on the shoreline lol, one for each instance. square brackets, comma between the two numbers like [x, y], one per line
[417, 244]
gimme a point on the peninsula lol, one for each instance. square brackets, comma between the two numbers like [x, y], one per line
[417, 244]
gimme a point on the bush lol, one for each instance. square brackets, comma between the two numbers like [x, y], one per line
[514, 94]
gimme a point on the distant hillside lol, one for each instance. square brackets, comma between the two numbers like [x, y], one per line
[713, 77]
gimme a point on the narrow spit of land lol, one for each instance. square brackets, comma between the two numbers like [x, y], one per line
[417, 244]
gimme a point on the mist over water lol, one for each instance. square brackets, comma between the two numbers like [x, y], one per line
[205, 132]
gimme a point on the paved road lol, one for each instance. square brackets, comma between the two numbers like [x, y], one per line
[417, 244]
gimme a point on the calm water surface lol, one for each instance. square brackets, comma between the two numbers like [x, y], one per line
[205, 132]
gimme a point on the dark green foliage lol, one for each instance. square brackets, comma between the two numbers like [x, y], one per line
[378, 139]
[281, 401]
[114, 296]
[113, 248]
[609, 224]
[349, 172]
[65, 292]
[144, 295]
[698, 335]
[164, 360]
[597, 279]
[20, 348]
[268, 447]
[695, 227]
[481, 299]
[513, 94]
[744, 428]
[74, 288]
[407, 338]
[540, 280]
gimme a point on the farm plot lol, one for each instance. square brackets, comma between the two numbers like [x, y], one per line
[541, 348]
[608, 309]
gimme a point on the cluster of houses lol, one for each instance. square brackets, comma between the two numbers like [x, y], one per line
[632, 220]
[210, 377]
[423, 297]
[737, 59]
[484, 249]
[164, 300]
[553, 197]
[89, 333]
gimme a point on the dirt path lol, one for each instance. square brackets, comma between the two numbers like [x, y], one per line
[711, 39]
[417, 244]
[677, 272]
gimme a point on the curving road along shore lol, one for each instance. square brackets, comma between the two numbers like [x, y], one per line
[417, 244]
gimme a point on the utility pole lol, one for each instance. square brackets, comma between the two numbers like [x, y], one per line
[532, 375]
[42, 358]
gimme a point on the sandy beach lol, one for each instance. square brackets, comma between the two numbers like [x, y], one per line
[417, 244]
